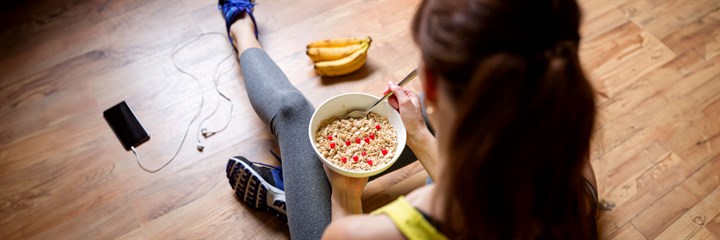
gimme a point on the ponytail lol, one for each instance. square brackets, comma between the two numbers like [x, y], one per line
[525, 116]
[523, 124]
[483, 113]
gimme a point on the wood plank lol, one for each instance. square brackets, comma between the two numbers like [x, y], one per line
[117, 221]
[676, 15]
[714, 225]
[652, 185]
[635, 110]
[628, 231]
[623, 181]
[701, 36]
[669, 208]
[628, 46]
[27, 30]
[134, 41]
[204, 218]
[695, 219]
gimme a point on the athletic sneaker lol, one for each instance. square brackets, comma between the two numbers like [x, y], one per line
[232, 10]
[258, 185]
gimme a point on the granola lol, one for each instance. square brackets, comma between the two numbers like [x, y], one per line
[359, 144]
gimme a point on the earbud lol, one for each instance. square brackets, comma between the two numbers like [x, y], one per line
[206, 134]
[200, 147]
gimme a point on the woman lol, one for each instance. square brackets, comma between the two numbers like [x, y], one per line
[514, 115]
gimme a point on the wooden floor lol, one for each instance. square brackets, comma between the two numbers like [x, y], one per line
[63, 174]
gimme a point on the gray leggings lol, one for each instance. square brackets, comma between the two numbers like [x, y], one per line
[287, 112]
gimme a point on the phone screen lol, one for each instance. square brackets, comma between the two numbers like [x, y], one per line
[126, 126]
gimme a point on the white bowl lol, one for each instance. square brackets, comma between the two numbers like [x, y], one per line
[340, 106]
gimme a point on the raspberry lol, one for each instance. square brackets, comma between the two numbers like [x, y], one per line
[364, 153]
[367, 140]
[330, 137]
[377, 127]
[357, 140]
[347, 143]
[372, 136]
[369, 162]
[332, 145]
[344, 159]
[355, 158]
[384, 151]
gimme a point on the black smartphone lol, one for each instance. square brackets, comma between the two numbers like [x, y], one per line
[126, 126]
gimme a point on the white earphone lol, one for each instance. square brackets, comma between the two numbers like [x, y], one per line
[201, 131]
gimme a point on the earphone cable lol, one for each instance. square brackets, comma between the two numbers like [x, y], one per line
[174, 52]
[216, 78]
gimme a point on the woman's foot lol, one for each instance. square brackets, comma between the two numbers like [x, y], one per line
[241, 34]
[258, 185]
[235, 11]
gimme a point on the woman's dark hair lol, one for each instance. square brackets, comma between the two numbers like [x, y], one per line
[526, 114]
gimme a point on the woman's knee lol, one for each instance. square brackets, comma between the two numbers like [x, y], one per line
[295, 105]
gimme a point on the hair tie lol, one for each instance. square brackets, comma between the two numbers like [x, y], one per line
[562, 48]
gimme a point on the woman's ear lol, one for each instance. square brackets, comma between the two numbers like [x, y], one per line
[429, 84]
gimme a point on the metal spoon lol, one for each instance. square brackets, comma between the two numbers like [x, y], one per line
[362, 114]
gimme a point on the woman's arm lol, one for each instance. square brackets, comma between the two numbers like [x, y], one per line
[362, 227]
[345, 203]
[348, 222]
[346, 197]
[425, 147]
[420, 140]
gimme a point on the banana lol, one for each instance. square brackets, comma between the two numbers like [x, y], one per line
[339, 42]
[340, 56]
[319, 54]
[345, 65]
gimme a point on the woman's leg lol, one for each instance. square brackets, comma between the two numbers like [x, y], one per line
[286, 111]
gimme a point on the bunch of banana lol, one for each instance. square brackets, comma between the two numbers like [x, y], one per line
[340, 56]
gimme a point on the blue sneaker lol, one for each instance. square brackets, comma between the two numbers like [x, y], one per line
[232, 10]
[258, 185]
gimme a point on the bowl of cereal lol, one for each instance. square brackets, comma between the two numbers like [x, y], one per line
[357, 147]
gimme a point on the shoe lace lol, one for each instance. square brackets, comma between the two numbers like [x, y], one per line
[275, 172]
[240, 4]
[266, 165]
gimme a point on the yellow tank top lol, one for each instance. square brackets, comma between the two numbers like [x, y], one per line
[409, 220]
